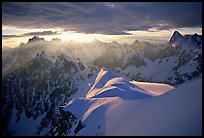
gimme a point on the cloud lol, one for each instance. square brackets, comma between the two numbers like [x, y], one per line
[41, 33]
[31, 34]
[10, 36]
[102, 17]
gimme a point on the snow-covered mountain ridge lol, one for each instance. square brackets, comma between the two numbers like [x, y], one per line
[116, 107]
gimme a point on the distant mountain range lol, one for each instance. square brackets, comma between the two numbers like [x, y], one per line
[177, 62]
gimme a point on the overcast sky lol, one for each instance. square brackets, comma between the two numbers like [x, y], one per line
[104, 19]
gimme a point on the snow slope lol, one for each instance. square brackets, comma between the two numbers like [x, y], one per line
[155, 89]
[178, 112]
[85, 87]
[158, 70]
[116, 107]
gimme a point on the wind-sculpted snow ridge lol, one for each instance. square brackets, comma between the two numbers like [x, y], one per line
[155, 89]
[117, 106]
[109, 84]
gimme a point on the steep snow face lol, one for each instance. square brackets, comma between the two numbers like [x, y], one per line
[165, 110]
[85, 87]
[158, 70]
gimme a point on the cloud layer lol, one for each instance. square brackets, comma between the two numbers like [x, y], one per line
[32, 34]
[102, 17]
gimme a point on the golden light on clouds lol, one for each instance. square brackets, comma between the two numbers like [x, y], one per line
[13, 42]
[153, 35]
[82, 37]
[105, 21]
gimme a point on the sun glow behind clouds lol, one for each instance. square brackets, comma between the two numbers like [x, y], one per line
[154, 36]
[82, 37]
[13, 42]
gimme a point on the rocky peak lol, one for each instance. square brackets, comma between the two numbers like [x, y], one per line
[176, 35]
[35, 39]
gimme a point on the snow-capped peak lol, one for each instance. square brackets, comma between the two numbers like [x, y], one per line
[188, 42]
[176, 35]
[45, 56]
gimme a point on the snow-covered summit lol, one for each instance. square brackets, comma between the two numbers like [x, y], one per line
[188, 42]
[45, 56]
[109, 84]
[106, 110]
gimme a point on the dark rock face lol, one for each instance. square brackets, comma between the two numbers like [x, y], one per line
[176, 36]
[35, 39]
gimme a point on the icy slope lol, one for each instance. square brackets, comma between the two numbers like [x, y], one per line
[163, 111]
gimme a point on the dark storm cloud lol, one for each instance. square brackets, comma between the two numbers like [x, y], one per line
[32, 34]
[103, 18]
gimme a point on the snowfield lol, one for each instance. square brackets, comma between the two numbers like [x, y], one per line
[116, 106]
